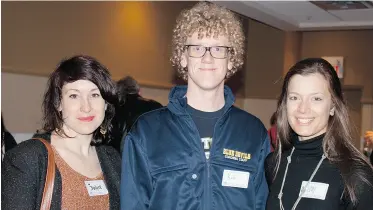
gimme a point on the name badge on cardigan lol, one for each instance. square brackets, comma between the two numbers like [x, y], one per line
[96, 187]
[315, 190]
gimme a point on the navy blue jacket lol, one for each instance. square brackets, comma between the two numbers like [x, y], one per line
[165, 168]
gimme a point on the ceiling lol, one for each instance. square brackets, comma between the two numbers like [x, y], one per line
[307, 15]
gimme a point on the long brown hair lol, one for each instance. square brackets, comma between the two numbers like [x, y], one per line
[337, 141]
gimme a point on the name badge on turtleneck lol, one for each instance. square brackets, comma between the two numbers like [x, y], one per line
[315, 190]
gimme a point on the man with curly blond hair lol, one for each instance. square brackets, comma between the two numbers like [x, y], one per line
[199, 152]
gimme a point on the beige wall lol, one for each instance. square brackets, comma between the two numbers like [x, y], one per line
[367, 117]
[128, 37]
[22, 95]
[264, 61]
[135, 38]
[353, 98]
[292, 49]
[355, 46]
[21, 100]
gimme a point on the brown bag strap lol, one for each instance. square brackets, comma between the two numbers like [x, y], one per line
[49, 178]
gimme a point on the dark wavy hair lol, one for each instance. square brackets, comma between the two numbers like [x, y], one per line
[337, 143]
[125, 86]
[69, 70]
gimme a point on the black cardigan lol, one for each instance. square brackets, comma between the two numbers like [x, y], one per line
[24, 170]
[9, 141]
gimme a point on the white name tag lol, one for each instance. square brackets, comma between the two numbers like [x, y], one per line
[96, 187]
[315, 190]
[238, 179]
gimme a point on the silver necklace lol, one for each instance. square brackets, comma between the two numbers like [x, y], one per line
[303, 190]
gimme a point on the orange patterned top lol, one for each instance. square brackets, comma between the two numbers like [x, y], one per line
[74, 192]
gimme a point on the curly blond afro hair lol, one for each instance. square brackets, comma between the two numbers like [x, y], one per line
[208, 20]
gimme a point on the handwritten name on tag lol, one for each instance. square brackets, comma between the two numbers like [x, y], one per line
[315, 190]
[96, 187]
[239, 179]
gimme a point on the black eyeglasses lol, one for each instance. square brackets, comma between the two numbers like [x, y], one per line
[198, 51]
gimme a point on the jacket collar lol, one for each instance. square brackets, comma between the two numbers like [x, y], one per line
[178, 102]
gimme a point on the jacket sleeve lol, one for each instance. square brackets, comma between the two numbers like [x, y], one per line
[261, 182]
[136, 181]
[19, 179]
[269, 167]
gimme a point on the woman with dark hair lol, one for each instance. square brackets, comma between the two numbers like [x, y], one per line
[7, 140]
[78, 107]
[315, 165]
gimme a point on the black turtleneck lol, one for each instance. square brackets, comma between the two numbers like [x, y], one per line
[304, 160]
[311, 147]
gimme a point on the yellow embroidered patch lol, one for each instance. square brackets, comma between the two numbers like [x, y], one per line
[236, 155]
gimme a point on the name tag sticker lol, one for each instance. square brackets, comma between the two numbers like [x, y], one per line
[315, 190]
[239, 179]
[96, 187]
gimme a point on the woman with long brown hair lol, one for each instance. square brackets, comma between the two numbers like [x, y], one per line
[315, 165]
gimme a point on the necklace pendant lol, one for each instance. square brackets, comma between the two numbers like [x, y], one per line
[279, 196]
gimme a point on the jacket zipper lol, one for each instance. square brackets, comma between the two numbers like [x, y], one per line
[207, 187]
[207, 184]
[205, 195]
[208, 206]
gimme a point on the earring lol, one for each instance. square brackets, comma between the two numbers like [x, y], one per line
[331, 112]
[102, 130]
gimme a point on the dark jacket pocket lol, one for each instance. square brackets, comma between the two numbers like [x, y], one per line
[169, 169]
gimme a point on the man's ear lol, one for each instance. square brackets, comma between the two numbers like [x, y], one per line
[230, 65]
[183, 61]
